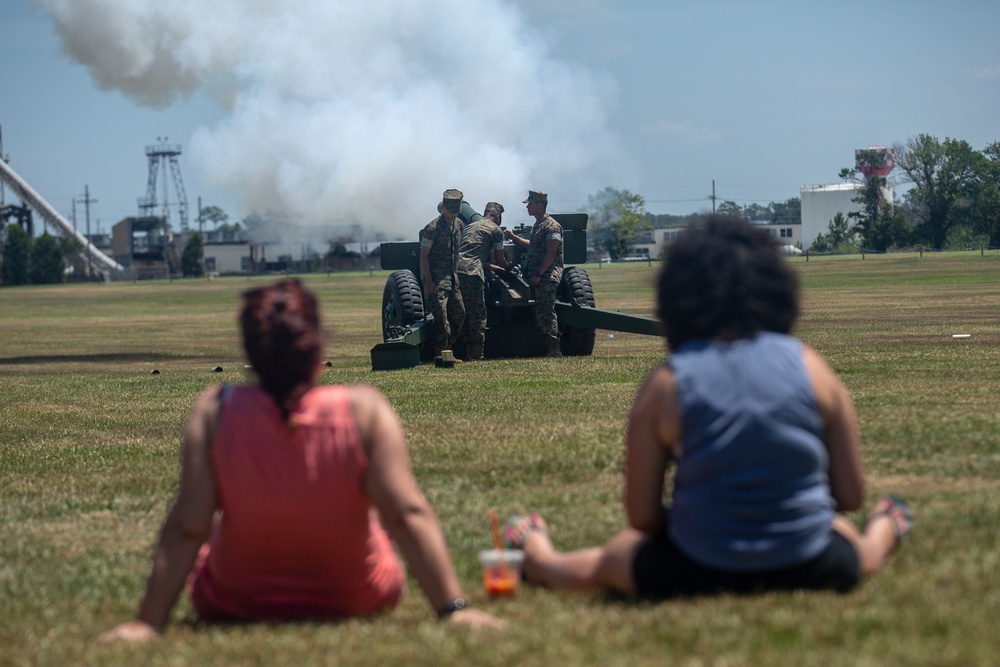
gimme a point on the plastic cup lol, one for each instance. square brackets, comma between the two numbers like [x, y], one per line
[501, 571]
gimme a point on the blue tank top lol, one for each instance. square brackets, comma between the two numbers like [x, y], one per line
[751, 491]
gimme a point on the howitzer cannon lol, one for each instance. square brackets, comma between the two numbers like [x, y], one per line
[511, 330]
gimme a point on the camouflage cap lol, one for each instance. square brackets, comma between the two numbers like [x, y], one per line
[535, 195]
[452, 200]
[493, 204]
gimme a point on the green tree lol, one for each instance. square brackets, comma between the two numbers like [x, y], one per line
[730, 208]
[70, 246]
[840, 235]
[875, 222]
[215, 215]
[757, 211]
[193, 257]
[47, 260]
[821, 243]
[944, 176]
[16, 257]
[986, 204]
[788, 212]
[337, 248]
[618, 217]
[840, 231]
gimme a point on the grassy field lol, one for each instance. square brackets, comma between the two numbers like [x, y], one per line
[89, 444]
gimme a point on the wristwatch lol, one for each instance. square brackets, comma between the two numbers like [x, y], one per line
[457, 604]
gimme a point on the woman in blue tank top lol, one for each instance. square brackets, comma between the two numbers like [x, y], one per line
[760, 432]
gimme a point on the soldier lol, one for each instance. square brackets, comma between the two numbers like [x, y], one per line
[439, 244]
[482, 241]
[544, 266]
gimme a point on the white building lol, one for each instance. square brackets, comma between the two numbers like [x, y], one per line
[821, 203]
[653, 240]
[231, 258]
[787, 234]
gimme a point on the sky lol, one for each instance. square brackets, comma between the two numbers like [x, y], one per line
[338, 114]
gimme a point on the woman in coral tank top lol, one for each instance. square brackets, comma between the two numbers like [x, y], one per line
[291, 494]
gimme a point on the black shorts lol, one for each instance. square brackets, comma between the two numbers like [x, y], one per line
[661, 570]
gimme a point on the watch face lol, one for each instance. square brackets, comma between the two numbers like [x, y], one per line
[456, 605]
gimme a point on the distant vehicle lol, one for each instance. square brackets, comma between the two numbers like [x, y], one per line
[635, 257]
[791, 250]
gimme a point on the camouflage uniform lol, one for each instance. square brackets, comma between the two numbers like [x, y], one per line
[446, 304]
[544, 231]
[479, 240]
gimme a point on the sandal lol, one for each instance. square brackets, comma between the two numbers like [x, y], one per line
[518, 528]
[898, 511]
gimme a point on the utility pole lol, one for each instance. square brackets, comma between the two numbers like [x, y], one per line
[86, 203]
[5, 160]
[712, 197]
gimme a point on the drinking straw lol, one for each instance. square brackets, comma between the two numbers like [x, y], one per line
[497, 541]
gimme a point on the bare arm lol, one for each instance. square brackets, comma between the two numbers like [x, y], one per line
[520, 241]
[653, 437]
[841, 435]
[499, 260]
[184, 530]
[405, 512]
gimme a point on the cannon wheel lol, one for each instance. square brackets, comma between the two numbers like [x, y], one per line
[402, 302]
[575, 286]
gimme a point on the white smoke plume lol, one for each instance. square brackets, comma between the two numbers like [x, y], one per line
[345, 112]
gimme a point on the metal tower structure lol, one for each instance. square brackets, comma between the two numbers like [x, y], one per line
[164, 156]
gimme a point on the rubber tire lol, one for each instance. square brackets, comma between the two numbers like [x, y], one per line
[574, 287]
[402, 301]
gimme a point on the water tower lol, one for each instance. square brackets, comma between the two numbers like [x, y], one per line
[875, 160]
[164, 156]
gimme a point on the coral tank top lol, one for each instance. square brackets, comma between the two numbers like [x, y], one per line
[297, 536]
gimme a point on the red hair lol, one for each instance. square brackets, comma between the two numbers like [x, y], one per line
[282, 339]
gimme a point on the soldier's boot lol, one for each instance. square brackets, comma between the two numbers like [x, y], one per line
[553, 351]
[475, 352]
[451, 346]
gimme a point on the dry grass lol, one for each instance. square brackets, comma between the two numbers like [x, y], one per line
[88, 464]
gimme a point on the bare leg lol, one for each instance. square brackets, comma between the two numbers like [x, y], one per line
[874, 545]
[593, 568]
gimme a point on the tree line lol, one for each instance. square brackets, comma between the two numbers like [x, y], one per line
[38, 261]
[954, 201]
[618, 218]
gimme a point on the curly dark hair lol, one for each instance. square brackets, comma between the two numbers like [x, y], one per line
[724, 280]
[282, 339]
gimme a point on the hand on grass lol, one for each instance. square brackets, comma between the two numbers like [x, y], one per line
[476, 618]
[134, 632]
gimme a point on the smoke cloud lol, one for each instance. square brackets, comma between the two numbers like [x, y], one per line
[347, 113]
